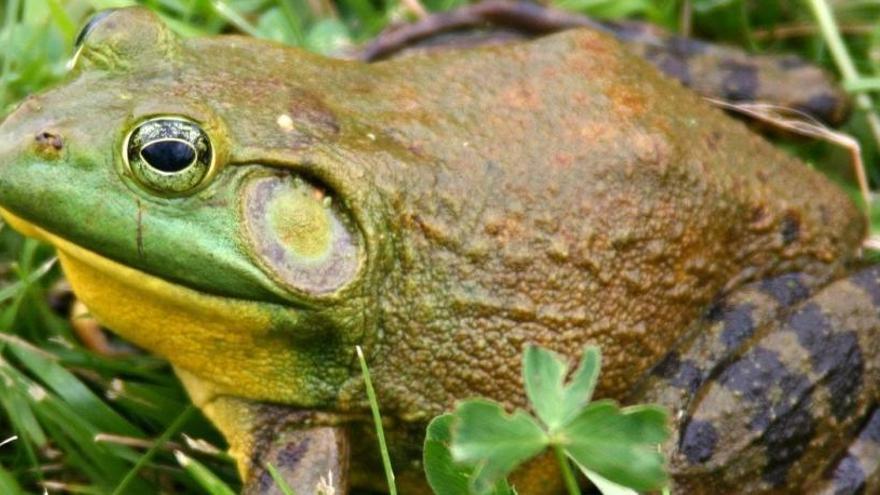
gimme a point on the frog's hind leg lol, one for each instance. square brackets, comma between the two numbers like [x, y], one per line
[772, 386]
[858, 471]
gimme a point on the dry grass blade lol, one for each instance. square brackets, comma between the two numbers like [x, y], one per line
[202, 446]
[133, 442]
[804, 125]
[872, 243]
[323, 8]
[806, 30]
[325, 485]
[416, 7]
[686, 18]
[15, 340]
[60, 486]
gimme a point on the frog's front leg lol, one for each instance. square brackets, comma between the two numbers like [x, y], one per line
[310, 460]
[777, 391]
[309, 452]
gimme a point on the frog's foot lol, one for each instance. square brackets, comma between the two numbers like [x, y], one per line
[311, 455]
[773, 381]
[522, 20]
[310, 460]
[858, 471]
[714, 71]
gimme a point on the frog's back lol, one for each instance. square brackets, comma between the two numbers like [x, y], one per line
[563, 192]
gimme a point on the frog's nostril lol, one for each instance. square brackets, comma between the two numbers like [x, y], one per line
[49, 141]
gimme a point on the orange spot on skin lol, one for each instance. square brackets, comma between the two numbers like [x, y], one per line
[408, 98]
[597, 131]
[563, 160]
[627, 102]
[593, 42]
[651, 148]
[522, 98]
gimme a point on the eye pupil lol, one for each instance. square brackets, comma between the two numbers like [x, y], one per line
[169, 156]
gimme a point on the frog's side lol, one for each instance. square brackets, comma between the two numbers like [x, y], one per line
[443, 211]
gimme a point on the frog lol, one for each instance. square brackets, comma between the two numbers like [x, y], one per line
[256, 213]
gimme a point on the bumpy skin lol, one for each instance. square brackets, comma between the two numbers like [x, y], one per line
[712, 70]
[559, 192]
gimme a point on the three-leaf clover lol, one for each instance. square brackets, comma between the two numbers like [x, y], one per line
[476, 448]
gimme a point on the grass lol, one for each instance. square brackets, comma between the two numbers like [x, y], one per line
[56, 395]
[377, 422]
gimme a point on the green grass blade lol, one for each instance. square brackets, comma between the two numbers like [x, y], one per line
[377, 421]
[205, 478]
[12, 8]
[845, 64]
[169, 432]
[8, 485]
[279, 480]
[236, 19]
[71, 389]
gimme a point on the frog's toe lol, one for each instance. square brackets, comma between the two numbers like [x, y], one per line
[858, 471]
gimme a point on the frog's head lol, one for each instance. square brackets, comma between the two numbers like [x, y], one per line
[190, 212]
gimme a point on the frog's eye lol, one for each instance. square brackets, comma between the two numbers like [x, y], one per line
[121, 40]
[90, 25]
[169, 155]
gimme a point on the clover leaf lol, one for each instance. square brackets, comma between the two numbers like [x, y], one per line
[618, 444]
[495, 442]
[555, 402]
[444, 475]
[474, 449]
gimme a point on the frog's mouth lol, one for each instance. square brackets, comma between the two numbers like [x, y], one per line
[234, 346]
[71, 251]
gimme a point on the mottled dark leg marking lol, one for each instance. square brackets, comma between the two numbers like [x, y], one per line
[869, 281]
[288, 456]
[738, 325]
[858, 471]
[823, 103]
[836, 356]
[305, 456]
[698, 441]
[670, 64]
[727, 325]
[786, 379]
[740, 81]
[849, 477]
[306, 459]
[781, 400]
[685, 374]
[787, 289]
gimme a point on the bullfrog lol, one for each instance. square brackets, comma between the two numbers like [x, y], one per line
[253, 212]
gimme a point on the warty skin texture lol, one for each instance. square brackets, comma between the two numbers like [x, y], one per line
[559, 192]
